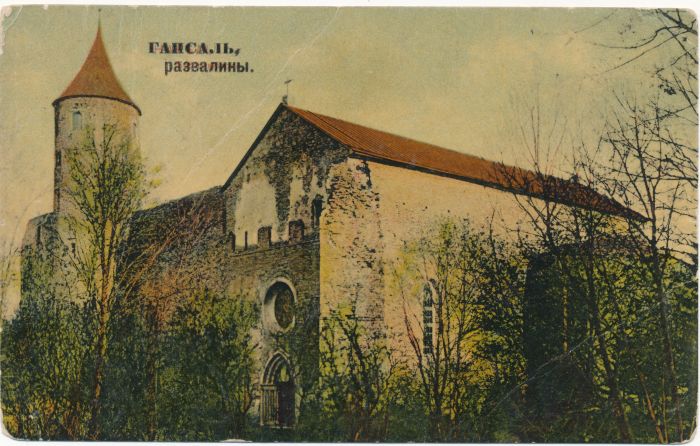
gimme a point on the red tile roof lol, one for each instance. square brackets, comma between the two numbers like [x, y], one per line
[96, 78]
[398, 150]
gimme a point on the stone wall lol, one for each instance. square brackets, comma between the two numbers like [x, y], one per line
[278, 180]
[175, 249]
[352, 270]
[249, 275]
[373, 211]
[196, 255]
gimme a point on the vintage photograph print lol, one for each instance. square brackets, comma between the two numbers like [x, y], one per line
[347, 224]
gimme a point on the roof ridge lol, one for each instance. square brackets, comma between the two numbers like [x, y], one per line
[323, 118]
[408, 138]
[406, 152]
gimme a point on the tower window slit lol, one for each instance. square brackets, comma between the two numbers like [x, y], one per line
[232, 241]
[77, 120]
[316, 207]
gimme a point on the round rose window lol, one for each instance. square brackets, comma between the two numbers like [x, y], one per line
[281, 299]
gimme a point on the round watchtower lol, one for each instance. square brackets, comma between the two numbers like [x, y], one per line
[93, 100]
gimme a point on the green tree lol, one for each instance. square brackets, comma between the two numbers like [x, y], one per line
[205, 379]
[43, 360]
[359, 382]
[162, 274]
[466, 338]
[597, 305]
[107, 185]
[643, 175]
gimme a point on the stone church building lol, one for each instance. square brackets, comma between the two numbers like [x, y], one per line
[310, 222]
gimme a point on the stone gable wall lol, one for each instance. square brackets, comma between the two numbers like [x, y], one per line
[199, 257]
[278, 182]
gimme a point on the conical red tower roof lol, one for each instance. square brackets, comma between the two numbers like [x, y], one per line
[96, 77]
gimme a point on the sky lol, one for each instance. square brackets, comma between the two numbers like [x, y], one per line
[461, 78]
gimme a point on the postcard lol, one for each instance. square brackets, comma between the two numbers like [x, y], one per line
[335, 224]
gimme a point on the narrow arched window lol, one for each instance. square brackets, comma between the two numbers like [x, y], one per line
[316, 207]
[232, 241]
[428, 313]
[77, 120]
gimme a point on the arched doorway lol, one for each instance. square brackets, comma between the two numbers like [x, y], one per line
[277, 402]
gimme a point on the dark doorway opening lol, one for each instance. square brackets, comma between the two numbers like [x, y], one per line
[278, 393]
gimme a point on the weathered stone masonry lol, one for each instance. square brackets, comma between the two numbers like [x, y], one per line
[279, 178]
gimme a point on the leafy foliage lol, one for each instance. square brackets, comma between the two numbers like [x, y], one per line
[357, 384]
[205, 381]
[472, 357]
[44, 374]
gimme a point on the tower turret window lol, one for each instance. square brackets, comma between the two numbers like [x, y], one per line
[232, 241]
[316, 208]
[77, 120]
